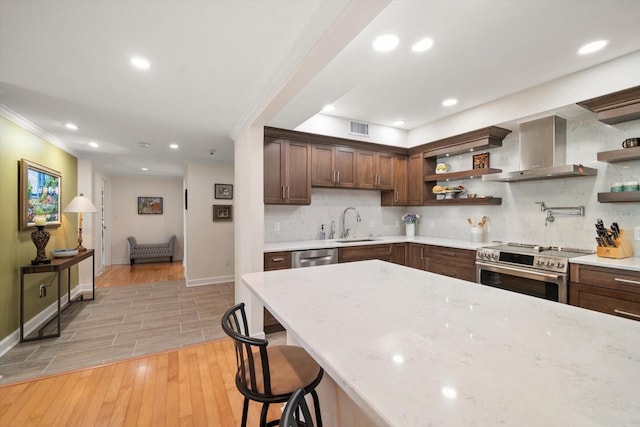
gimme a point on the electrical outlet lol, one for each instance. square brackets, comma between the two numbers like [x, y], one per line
[432, 225]
[372, 224]
[636, 233]
[276, 226]
[42, 291]
[227, 263]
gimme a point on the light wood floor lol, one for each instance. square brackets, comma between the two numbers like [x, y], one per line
[125, 275]
[192, 386]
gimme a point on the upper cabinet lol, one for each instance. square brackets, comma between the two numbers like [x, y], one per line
[616, 107]
[333, 166]
[397, 197]
[287, 172]
[374, 170]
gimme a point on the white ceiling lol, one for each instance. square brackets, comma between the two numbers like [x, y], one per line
[213, 62]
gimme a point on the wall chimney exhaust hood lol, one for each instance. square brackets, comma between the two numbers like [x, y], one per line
[543, 153]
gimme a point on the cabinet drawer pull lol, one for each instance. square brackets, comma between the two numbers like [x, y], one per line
[277, 259]
[626, 313]
[633, 282]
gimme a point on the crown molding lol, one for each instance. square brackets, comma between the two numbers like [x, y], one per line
[24, 123]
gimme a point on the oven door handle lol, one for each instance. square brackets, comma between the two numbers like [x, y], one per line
[527, 274]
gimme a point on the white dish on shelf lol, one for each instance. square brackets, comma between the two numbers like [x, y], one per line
[64, 253]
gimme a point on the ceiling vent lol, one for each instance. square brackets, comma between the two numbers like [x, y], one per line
[359, 128]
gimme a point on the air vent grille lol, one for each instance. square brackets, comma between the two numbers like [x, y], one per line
[359, 128]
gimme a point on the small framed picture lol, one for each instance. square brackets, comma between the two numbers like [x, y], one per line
[223, 191]
[481, 161]
[222, 213]
[150, 205]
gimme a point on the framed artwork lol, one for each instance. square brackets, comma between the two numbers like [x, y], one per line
[149, 205]
[481, 161]
[223, 191]
[39, 192]
[222, 213]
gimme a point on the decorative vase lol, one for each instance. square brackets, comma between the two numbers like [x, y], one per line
[40, 237]
[411, 230]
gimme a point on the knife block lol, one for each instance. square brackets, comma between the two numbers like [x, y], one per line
[623, 248]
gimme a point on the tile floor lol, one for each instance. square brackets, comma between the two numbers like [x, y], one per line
[123, 322]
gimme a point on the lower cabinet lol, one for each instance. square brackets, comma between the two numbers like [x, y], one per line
[274, 261]
[608, 290]
[418, 256]
[453, 262]
[399, 253]
[363, 253]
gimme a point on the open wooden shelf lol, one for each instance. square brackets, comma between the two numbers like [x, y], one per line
[464, 202]
[619, 197]
[468, 174]
[616, 107]
[620, 155]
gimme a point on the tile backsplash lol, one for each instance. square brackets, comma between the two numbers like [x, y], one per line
[518, 219]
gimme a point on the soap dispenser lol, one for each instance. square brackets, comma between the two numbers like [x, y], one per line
[323, 235]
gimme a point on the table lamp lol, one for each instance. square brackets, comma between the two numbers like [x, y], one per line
[80, 204]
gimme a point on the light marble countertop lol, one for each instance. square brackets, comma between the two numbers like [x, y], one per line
[414, 348]
[335, 243]
[631, 263]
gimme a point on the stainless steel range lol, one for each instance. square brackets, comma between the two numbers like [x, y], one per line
[536, 270]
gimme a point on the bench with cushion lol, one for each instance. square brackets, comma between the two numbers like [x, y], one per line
[150, 250]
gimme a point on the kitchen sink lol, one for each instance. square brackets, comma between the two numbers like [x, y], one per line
[364, 239]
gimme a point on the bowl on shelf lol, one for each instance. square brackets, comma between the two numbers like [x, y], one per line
[64, 253]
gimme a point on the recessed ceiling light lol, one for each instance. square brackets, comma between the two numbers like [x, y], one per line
[422, 45]
[71, 126]
[93, 144]
[592, 47]
[144, 169]
[174, 146]
[386, 42]
[328, 108]
[449, 102]
[398, 122]
[140, 63]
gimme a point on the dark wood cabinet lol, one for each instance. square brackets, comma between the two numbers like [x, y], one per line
[274, 261]
[382, 252]
[418, 256]
[333, 166]
[287, 172]
[399, 253]
[398, 196]
[374, 170]
[416, 186]
[607, 290]
[453, 262]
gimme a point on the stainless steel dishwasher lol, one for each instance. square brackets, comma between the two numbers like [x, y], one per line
[314, 257]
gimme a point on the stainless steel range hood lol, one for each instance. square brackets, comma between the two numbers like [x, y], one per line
[543, 153]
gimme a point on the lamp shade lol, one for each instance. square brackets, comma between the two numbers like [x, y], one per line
[80, 204]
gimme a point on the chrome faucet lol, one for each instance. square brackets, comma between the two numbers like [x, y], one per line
[345, 230]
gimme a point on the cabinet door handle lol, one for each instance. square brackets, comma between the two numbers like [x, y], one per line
[282, 190]
[288, 191]
[338, 173]
[333, 176]
[626, 313]
[396, 194]
[634, 282]
[421, 253]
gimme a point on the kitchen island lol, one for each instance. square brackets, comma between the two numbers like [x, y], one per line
[411, 348]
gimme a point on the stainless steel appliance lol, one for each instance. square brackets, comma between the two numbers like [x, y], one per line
[314, 257]
[540, 271]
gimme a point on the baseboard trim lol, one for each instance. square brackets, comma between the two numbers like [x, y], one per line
[13, 338]
[210, 280]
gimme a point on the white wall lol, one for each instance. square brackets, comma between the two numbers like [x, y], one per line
[210, 245]
[146, 228]
[339, 127]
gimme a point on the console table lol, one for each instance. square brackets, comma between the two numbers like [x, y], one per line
[58, 265]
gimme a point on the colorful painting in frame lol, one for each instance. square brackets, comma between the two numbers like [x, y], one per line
[150, 205]
[39, 192]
